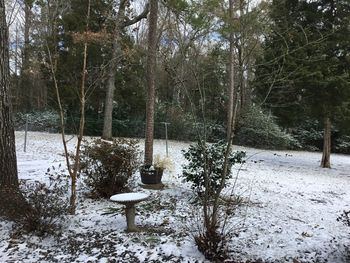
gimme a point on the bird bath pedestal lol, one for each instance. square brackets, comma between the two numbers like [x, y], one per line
[129, 200]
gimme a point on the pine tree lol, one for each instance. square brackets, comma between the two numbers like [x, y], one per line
[305, 68]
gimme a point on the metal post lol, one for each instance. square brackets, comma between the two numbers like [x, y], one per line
[166, 137]
[25, 134]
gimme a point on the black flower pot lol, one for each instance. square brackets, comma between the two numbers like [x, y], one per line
[151, 176]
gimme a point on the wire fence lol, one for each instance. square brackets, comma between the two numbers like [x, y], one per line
[182, 131]
[176, 130]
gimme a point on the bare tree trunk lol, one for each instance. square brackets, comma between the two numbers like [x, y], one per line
[231, 74]
[26, 78]
[12, 202]
[16, 89]
[243, 94]
[151, 76]
[120, 23]
[326, 155]
[248, 90]
[76, 167]
[108, 110]
[116, 54]
[8, 162]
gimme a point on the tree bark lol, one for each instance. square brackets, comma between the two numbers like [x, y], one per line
[8, 162]
[12, 203]
[116, 54]
[108, 111]
[120, 23]
[231, 75]
[326, 155]
[26, 76]
[151, 75]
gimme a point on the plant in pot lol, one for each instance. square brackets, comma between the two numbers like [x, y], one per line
[152, 174]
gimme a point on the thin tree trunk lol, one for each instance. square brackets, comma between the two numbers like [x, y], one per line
[73, 170]
[231, 74]
[81, 122]
[248, 90]
[243, 94]
[151, 76]
[326, 155]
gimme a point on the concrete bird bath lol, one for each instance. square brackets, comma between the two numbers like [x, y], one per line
[129, 200]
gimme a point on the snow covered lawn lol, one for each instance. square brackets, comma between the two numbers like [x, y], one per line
[290, 214]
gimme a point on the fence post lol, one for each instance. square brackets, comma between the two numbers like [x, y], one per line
[25, 135]
[166, 137]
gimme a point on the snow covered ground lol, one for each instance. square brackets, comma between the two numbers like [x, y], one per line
[290, 217]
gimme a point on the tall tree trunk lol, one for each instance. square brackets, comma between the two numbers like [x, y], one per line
[231, 75]
[16, 90]
[116, 54]
[326, 155]
[151, 75]
[248, 90]
[120, 23]
[8, 163]
[244, 100]
[108, 108]
[12, 202]
[26, 81]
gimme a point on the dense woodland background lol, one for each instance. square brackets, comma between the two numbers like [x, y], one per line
[268, 74]
[290, 62]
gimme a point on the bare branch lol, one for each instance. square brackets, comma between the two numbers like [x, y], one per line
[143, 15]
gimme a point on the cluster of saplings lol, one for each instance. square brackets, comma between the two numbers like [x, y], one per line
[255, 128]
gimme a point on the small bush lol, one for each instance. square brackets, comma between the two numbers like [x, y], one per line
[208, 158]
[48, 203]
[212, 244]
[257, 129]
[107, 166]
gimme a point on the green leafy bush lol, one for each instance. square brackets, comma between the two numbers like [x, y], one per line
[208, 159]
[108, 165]
[257, 129]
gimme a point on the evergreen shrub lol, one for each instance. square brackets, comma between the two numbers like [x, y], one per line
[258, 129]
[108, 165]
[342, 144]
[208, 159]
[309, 135]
